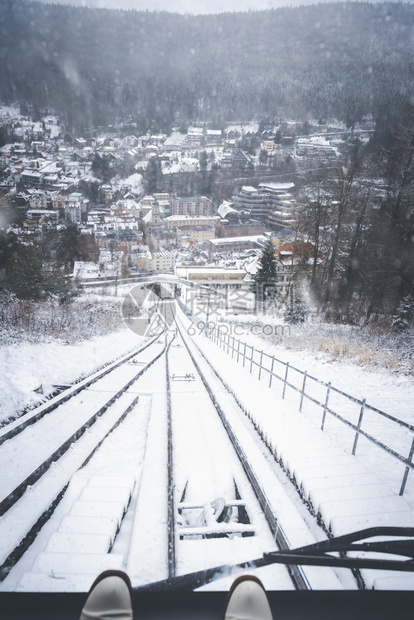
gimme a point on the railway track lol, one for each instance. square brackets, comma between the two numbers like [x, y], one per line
[180, 483]
[265, 493]
[215, 516]
[56, 436]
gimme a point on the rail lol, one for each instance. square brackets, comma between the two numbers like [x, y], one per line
[296, 574]
[276, 369]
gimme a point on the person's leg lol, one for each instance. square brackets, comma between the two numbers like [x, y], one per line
[109, 598]
[247, 600]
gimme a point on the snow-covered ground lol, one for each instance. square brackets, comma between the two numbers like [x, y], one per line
[383, 389]
[362, 376]
[27, 366]
[67, 553]
[135, 181]
[184, 164]
[28, 371]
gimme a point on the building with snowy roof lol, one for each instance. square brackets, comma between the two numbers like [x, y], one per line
[233, 244]
[196, 205]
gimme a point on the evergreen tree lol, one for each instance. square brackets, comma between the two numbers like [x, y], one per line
[263, 157]
[24, 274]
[153, 176]
[404, 316]
[101, 169]
[203, 161]
[265, 279]
[70, 247]
[296, 310]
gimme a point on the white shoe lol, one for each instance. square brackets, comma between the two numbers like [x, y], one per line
[109, 598]
[247, 600]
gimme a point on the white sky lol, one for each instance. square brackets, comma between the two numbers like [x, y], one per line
[186, 6]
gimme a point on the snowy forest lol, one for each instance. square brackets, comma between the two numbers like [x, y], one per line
[150, 71]
[99, 66]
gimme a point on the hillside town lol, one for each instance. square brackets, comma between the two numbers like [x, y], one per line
[106, 185]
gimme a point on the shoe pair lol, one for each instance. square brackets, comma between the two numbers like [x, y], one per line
[110, 599]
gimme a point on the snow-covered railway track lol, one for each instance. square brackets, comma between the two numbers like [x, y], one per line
[214, 515]
[27, 496]
[143, 488]
[215, 456]
[19, 424]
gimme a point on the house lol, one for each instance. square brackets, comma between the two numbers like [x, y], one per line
[158, 140]
[161, 239]
[86, 270]
[199, 233]
[22, 201]
[80, 143]
[38, 200]
[214, 287]
[228, 228]
[130, 141]
[213, 137]
[32, 178]
[233, 134]
[73, 213]
[145, 204]
[198, 205]
[238, 159]
[195, 135]
[140, 257]
[40, 217]
[268, 146]
[58, 201]
[106, 193]
[174, 221]
[233, 244]
[162, 262]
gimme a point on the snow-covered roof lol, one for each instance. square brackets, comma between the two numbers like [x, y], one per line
[278, 186]
[226, 240]
[249, 188]
[225, 208]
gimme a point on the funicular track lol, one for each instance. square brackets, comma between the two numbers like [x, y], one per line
[249, 497]
[297, 574]
[17, 426]
[113, 402]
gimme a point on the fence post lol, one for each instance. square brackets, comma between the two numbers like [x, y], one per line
[305, 376]
[361, 415]
[285, 380]
[407, 469]
[244, 354]
[228, 343]
[271, 371]
[260, 365]
[251, 360]
[326, 405]
[238, 350]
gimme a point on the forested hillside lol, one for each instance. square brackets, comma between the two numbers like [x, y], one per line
[97, 66]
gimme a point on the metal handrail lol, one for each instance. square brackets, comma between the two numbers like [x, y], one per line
[247, 355]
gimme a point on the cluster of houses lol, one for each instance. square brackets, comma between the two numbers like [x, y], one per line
[44, 174]
[219, 248]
